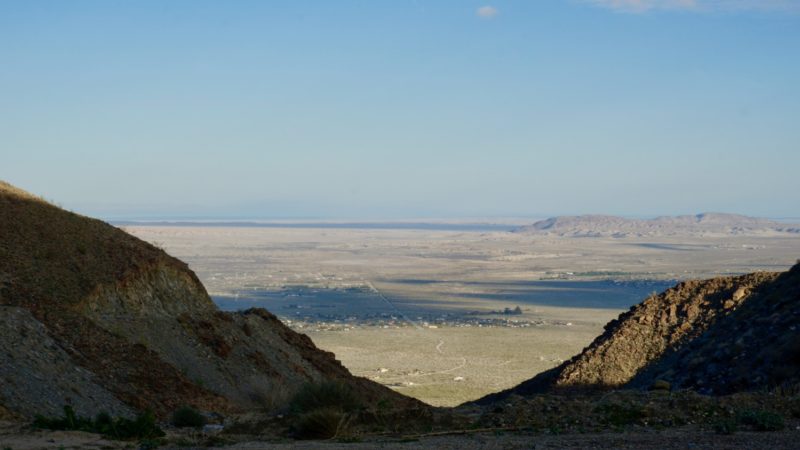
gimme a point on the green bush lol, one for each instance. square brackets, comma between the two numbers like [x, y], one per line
[327, 394]
[186, 417]
[142, 427]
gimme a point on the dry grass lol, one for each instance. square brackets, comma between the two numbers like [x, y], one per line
[51, 258]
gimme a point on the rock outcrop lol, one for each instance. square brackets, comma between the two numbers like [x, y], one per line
[717, 336]
[754, 346]
[37, 376]
[96, 318]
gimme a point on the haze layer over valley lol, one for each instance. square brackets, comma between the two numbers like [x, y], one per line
[450, 316]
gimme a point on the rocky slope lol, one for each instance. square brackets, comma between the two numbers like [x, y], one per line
[37, 376]
[96, 318]
[698, 225]
[755, 346]
[717, 336]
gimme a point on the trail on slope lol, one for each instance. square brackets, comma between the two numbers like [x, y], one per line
[439, 345]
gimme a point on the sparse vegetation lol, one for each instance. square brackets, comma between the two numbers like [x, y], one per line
[761, 420]
[325, 394]
[323, 410]
[621, 414]
[142, 427]
[186, 417]
[322, 423]
[726, 426]
[634, 409]
[149, 444]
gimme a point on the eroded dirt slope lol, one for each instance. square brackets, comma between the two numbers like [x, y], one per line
[137, 325]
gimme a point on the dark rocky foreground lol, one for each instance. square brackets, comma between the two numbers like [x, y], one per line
[622, 419]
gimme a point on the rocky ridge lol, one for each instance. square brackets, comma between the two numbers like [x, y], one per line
[716, 336]
[96, 318]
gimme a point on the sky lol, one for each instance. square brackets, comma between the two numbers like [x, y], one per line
[402, 108]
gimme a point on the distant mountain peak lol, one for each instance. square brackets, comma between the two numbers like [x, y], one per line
[706, 223]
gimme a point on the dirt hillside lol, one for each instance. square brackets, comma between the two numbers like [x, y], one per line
[94, 317]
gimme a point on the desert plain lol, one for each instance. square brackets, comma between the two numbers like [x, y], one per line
[450, 315]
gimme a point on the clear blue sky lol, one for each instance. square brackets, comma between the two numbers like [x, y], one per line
[387, 109]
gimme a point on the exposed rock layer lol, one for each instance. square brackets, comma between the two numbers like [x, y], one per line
[132, 328]
[37, 376]
[717, 336]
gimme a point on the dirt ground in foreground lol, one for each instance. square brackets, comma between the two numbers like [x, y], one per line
[679, 438]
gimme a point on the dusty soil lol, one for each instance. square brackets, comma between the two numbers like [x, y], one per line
[21, 437]
[667, 440]
[682, 438]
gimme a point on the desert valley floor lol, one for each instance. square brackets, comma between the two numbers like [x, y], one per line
[448, 316]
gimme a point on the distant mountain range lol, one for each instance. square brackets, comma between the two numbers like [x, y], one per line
[690, 225]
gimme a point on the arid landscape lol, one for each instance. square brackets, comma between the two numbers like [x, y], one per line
[109, 339]
[430, 313]
[445, 225]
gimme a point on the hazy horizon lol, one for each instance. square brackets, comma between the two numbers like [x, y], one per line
[495, 220]
[403, 109]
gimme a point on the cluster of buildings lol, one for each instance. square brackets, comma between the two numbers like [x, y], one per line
[335, 322]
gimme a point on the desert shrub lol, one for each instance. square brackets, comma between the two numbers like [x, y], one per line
[142, 427]
[621, 414]
[70, 421]
[149, 444]
[186, 417]
[384, 405]
[786, 389]
[726, 426]
[791, 354]
[326, 394]
[323, 410]
[762, 420]
[661, 385]
[103, 419]
[321, 423]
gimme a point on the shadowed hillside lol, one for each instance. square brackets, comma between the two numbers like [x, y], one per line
[716, 336]
[94, 317]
